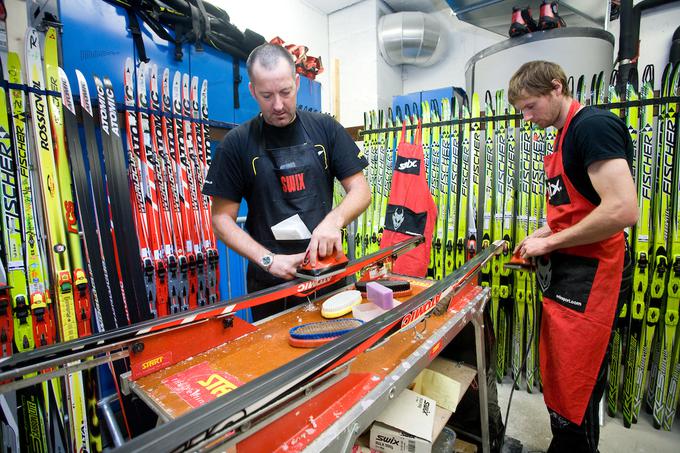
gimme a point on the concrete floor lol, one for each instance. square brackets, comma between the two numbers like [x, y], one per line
[529, 423]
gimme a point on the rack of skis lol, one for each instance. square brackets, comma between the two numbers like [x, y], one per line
[102, 212]
[485, 172]
[103, 220]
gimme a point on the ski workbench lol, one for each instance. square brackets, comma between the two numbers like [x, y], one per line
[217, 381]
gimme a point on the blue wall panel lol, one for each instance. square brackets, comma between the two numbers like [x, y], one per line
[247, 105]
[309, 95]
[95, 40]
[406, 102]
[216, 67]
[438, 94]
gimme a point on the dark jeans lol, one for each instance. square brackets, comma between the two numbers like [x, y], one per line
[569, 437]
[573, 438]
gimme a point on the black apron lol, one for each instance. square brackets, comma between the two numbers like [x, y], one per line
[286, 181]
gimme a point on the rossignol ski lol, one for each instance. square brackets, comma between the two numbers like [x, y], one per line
[56, 235]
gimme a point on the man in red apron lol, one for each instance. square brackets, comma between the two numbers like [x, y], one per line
[583, 266]
[283, 163]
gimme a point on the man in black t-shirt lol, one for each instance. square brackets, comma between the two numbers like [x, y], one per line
[283, 163]
[583, 265]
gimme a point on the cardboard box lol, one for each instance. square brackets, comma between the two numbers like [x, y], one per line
[445, 382]
[406, 425]
[464, 447]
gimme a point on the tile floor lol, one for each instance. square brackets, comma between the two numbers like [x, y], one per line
[529, 423]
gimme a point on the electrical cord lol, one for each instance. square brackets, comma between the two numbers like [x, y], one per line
[522, 367]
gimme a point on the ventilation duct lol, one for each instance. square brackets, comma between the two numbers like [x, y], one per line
[410, 38]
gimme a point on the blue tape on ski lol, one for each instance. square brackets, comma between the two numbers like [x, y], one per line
[16, 86]
[33, 90]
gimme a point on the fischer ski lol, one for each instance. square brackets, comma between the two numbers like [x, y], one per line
[642, 240]
[660, 256]
[671, 233]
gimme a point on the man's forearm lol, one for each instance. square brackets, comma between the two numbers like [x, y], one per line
[238, 239]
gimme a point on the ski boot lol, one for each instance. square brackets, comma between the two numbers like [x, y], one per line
[549, 18]
[522, 22]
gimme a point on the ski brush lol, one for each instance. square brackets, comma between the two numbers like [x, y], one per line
[340, 304]
[517, 263]
[315, 334]
[400, 288]
[325, 267]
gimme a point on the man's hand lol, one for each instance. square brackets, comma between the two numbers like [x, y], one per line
[534, 246]
[326, 238]
[284, 266]
[542, 232]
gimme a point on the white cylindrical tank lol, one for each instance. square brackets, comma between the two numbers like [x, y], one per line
[579, 50]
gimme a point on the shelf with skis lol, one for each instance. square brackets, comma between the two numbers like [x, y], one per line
[103, 220]
[484, 165]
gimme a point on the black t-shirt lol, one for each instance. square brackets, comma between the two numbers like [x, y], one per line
[231, 175]
[281, 137]
[593, 135]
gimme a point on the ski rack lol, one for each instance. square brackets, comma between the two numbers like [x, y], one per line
[62, 358]
[518, 116]
[224, 419]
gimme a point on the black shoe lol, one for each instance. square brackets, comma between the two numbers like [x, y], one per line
[549, 18]
[517, 27]
[511, 445]
[522, 22]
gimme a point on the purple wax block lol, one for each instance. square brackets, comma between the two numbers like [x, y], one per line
[380, 295]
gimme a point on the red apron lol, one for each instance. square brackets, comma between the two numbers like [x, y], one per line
[410, 209]
[580, 292]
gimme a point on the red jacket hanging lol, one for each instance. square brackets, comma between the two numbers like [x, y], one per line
[410, 209]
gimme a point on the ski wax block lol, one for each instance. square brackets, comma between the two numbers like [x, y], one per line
[366, 312]
[380, 295]
[340, 304]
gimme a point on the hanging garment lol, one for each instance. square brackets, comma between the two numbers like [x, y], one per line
[410, 210]
[580, 292]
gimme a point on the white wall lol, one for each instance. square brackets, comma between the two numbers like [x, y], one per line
[352, 42]
[293, 20]
[366, 81]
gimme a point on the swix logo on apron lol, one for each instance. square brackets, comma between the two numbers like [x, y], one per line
[407, 165]
[580, 292]
[410, 209]
[557, 194]
[293, 183]
[287, 181]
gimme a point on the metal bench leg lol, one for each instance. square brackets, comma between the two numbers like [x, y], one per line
[478, 322]
[105, 405]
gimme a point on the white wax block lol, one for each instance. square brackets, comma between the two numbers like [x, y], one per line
[367, 312]
[290, 229]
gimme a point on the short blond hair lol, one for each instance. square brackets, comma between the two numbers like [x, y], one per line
[535, 78]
